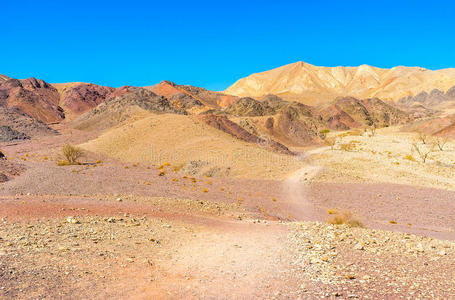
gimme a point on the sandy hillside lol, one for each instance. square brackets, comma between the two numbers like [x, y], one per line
[179, 139]
[312, 84]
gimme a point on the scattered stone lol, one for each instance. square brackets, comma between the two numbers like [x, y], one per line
[72, 220]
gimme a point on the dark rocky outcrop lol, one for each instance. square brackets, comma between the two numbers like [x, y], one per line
[349, 112]
[433, 99]
[224, 124]
[119, 109]
[18, 125]
[7, 134]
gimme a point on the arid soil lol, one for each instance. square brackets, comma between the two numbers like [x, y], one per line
[115, 229]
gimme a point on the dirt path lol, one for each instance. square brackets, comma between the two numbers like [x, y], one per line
[240, 260]
[296, 190]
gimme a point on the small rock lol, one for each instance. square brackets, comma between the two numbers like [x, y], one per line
[72, 220]
[359, 246]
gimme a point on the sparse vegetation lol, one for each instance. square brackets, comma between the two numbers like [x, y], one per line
[331, 211]
[351, 146]
[423, 151]
[323, 133]
[178, 167]
[372, 130]
[409, 157]
[355, 132]
[441, 142]
[422, 137]
[331, 141]
[71, 155]
[345, 217]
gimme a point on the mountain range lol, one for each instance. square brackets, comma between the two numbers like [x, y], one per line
[310, 84]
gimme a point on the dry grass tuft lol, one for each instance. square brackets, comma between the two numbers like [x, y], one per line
[351, 146]
[346, 218]
[178, 167]
[410, 157]
[331, 211]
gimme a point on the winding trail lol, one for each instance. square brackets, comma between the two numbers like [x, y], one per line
[295, 189]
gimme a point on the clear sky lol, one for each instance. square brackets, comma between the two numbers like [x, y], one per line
[214, 43]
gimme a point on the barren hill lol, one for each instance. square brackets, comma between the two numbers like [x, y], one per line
[433, 99]
[312, 84]
[349, 112]
[3, 78]
[118, 109]
[32, 96]
[191, 95]
[193, 144]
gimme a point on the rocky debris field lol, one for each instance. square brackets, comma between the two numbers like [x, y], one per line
[344, 262]
[81, 256]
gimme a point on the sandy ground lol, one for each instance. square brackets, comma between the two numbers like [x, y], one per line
[111, 229]
[389, 157]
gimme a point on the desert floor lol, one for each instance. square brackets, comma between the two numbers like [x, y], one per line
[115, 228]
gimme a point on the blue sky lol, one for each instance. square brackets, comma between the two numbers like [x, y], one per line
[214, 43]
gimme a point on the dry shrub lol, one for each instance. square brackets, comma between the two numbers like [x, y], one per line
[71, 155]
[345, 217]
[441, 142]
[422, 136]
[422, 151]
[372, 130]
[331, 141]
